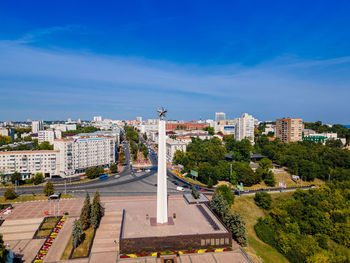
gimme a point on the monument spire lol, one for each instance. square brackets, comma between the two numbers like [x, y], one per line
[162, 193]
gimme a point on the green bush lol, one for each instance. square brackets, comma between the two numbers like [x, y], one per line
[10, 194]
[49, 189]
[38, 178]
[263, 200]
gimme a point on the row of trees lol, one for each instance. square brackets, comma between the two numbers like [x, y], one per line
[80, 129]
[221, 204]
[94, 172]
[208, 158]
[307, 159]
[312, 226]
[48, 190]
[90, 216]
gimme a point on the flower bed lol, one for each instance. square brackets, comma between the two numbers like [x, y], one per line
[48, 243]
[189, 251]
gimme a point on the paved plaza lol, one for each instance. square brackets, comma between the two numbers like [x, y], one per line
[20, 225]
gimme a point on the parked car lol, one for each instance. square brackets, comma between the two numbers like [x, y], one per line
[117, 176]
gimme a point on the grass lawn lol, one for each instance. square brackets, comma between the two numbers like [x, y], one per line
[257, 250]
[287, 179]
[25, 198]
[46, 228]
[83, 249]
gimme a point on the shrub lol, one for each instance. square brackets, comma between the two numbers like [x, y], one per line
[85, 215]
[10, 194]
[263, 200]
[219, 205]
[77, 234]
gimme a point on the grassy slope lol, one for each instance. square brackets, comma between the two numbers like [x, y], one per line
[257, 249]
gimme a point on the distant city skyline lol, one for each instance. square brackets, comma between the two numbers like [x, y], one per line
[81, 59]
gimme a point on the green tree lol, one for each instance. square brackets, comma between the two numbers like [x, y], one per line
[195, 192]
[145, 136]
[77, 233]
[270, 179]
[49, 189]
[10, 194]
[96, 210]
[3, 251]
[226, 193]
[45, 146]
[85, 215]
[5, 140]
[38, 178]
[219, 205]
[16, 176]
[208, 174]
[114, 168]
[236, 225]
[265, 164]
[263, 200]
[210, 130]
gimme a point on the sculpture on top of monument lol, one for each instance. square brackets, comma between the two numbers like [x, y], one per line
[162, 113]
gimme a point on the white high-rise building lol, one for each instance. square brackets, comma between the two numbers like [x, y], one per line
[80, 152]
[220, 116]
[97, 118]
[244, 127]
[37, 126]
[49, 135]
[139, 119]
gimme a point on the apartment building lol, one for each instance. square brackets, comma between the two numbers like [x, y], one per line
[220, 116]
[289, 130]
[30, 162]
[49, 135]
[37, 126]
[7, 132]
[244, 127]
[173, 145]
[80, 152]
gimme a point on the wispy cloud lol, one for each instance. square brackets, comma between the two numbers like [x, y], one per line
[86, 83]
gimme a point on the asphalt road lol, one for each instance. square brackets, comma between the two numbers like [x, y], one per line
[129, 183]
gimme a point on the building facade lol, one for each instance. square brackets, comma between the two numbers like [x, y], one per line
[244, 128]
[289, 130]
[173, 145]
[30, 162]
[220, 116]
[37, 126]
[80, 152]
[49, 135]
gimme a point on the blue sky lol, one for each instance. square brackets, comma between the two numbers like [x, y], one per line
[122, 59]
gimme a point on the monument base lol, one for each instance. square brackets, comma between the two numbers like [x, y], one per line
[153, 221]
[193, 226]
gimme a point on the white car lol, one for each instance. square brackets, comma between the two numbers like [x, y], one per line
[179, 188]
[117, 176]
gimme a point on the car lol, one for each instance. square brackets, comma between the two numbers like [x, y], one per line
[179, 188]
[148, 170]
[117, 176]
[201, 189]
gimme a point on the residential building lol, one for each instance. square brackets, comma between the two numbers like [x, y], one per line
[269, 128]
[30, 162]
[220, 116]
[64, 127]
[8, 132]
[185, 126]
[80, 152]
[49, 135]
[244, 127]
[97, 118]
[173, 145]
[37, 126]
[289, 129]
[139, 119]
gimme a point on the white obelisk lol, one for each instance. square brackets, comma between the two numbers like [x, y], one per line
[162, 193]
